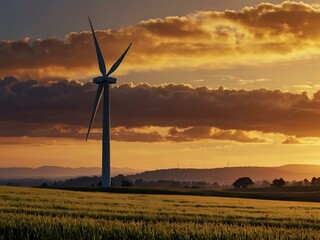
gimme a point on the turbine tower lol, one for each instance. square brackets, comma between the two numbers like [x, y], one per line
[103, 88]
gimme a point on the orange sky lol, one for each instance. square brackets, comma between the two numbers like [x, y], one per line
[196, 90]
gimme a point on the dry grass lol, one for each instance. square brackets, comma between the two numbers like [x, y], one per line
[27, 213]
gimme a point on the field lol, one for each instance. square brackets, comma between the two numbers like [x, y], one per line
[30, 213]
[291, 193]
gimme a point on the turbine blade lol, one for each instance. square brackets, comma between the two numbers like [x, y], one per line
[95, 107]
[102, 65]
[117, 63]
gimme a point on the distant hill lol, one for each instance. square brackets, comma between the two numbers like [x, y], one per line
[36, 176]
[47, 172]
[229, 174]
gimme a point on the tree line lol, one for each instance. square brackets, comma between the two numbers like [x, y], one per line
[121, 180]
[245, 182]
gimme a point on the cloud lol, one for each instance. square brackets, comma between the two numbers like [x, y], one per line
[132, 135]
[235, 135]
[291, 140]
[63, 108]
[207, 39]
[189, 134]
[207, 133]
[250, 81]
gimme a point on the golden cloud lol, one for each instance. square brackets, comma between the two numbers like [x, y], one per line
[207, 133]
[211, 39]
[291, 140]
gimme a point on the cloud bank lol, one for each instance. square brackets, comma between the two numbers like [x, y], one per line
[63, 109]
[210, 39]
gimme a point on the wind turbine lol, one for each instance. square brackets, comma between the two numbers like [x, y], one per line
[103, 88]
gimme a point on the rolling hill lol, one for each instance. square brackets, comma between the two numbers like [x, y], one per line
[47, 172]
[225, 175]
[229, 174]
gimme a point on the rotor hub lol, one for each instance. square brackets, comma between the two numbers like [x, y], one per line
[102, 79]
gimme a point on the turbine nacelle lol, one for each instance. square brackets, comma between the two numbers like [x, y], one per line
[102, 79]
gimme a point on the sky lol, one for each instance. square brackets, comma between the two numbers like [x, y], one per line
[206, 83]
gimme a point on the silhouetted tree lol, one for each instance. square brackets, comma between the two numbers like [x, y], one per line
[175, 184]
[278, 182]
[55, 184]
[243, 182]
[306, 182]
[215, 185]
[200, 184]
[314, 181]
[126, 183]
[117, 180]
[295, 183]
[139, 182]
[44, 185]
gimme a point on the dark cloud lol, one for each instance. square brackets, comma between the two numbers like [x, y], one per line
[29, 108]
[22, 129]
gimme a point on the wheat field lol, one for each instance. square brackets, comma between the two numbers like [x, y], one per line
[31, 213]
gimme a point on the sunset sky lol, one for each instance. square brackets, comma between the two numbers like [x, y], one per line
[205, 83]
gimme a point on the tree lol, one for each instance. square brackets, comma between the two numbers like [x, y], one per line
[278, 182]
[139, 182]
[306, 182]
[314, 181]
[55, 184]
[126, 183]
[215, 185]
[117, 180]
[44, 184]
[243, 182]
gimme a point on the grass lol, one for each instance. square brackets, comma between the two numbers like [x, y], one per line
[29, 213]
